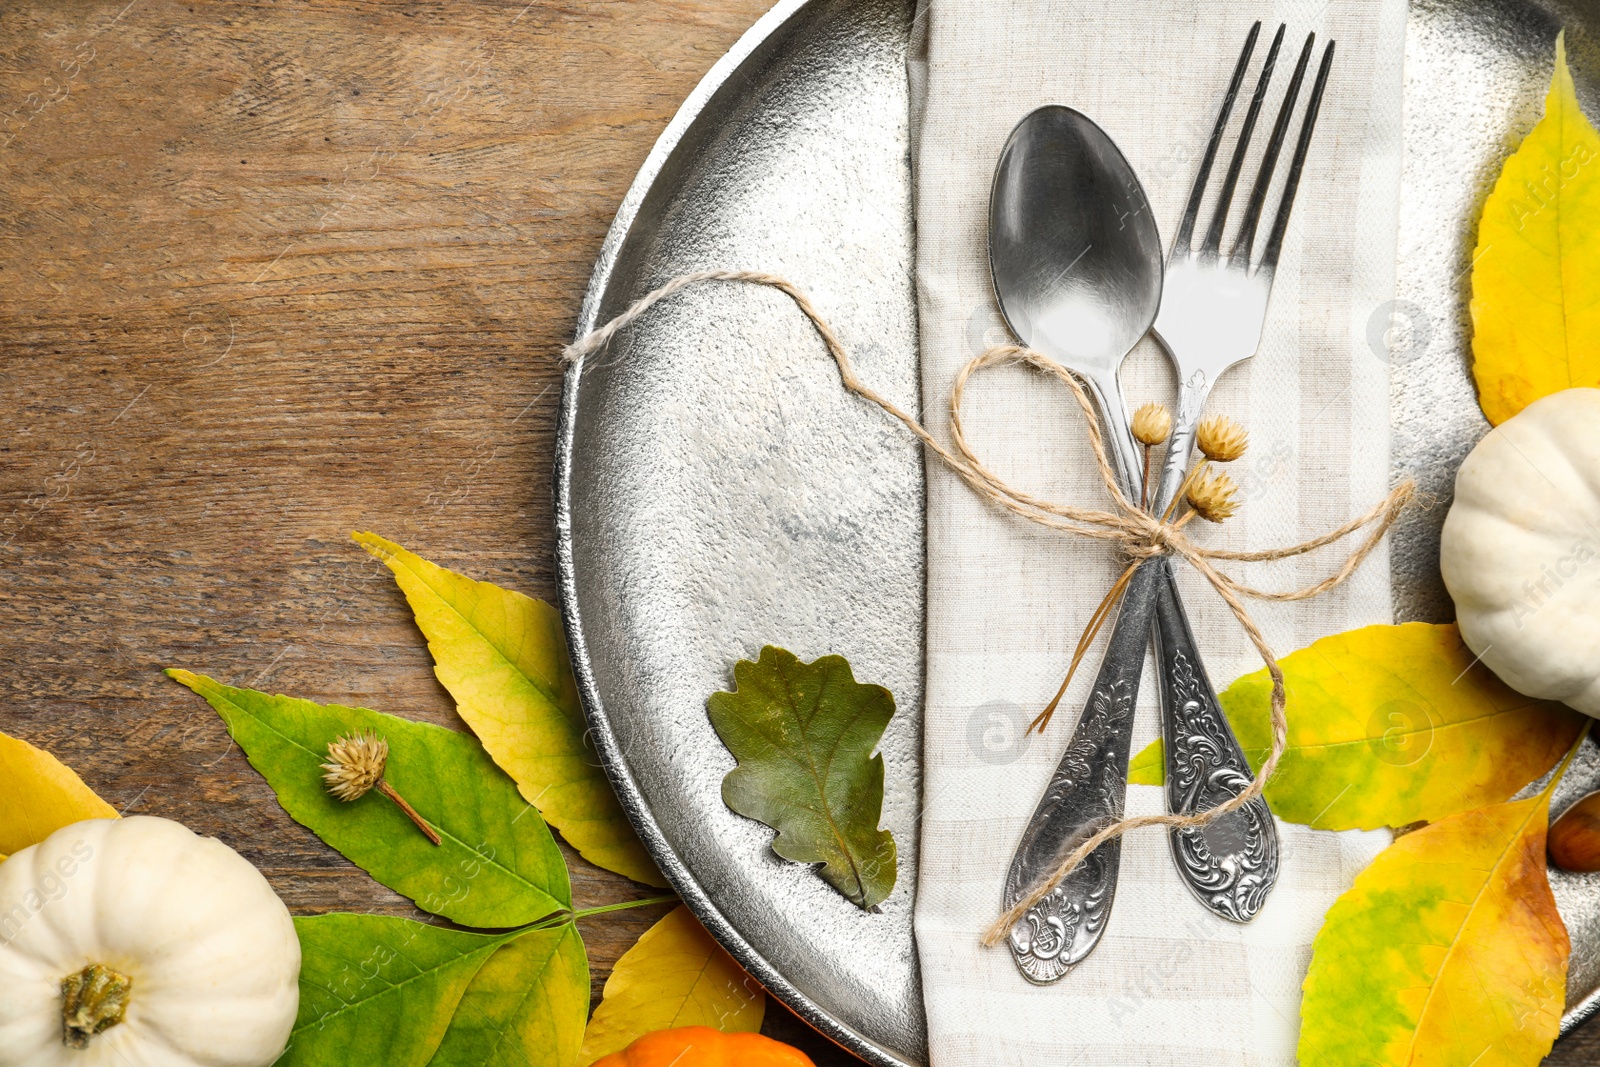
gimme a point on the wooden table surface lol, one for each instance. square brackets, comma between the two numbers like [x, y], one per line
[272, 273]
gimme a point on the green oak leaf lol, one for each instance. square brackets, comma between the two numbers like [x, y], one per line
[384, 986]
[804, 735]
[526, 1007]
[503, 657]
[1390, 725]
[497, 865]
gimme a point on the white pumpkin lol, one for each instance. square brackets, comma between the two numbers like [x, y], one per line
[1521, 549]
[180, 929]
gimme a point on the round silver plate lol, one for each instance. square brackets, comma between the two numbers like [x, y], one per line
[717, 491]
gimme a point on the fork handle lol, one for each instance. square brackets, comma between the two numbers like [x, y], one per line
[1231, 864]
[1192, 394]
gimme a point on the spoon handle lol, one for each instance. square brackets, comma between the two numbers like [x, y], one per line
[1231, 864]
[1085, 794]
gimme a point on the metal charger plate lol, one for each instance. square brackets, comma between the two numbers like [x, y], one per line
[716, 490]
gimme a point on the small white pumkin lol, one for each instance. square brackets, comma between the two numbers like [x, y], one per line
[137, 943]
[1520, 552]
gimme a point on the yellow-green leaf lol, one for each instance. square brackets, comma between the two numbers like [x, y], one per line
[382, 985]
[525, 1007]
[503, 657]
[1447, 951]
[39, 795]
[1535, 294]
[1148, 767]
[676, 975]
[1391, 725]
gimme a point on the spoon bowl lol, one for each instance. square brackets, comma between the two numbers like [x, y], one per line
[1074, 253]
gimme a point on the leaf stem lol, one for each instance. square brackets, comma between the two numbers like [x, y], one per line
[604, 908]
[1555, 779]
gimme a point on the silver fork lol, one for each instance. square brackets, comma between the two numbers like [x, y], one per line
[1213, 310]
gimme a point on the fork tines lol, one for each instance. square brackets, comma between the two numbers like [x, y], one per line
[1244, 241]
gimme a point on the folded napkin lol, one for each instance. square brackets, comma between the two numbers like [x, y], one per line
[1169, 984]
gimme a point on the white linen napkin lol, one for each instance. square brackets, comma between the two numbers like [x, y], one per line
[1169, 984]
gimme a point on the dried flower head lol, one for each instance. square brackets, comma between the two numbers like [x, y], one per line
[357, 765]
[359, 760]
[1213, 495]
[1152, 423]
[1221, 439]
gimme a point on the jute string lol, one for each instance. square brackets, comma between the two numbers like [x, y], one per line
[1138, 534]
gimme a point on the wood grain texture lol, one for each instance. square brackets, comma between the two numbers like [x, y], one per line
[270, 273]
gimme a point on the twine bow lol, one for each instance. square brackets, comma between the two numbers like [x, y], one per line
[1138, 534]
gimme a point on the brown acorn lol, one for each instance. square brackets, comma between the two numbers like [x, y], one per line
[1575, 837]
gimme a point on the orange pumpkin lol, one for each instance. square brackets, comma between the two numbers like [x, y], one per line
[701, 1046]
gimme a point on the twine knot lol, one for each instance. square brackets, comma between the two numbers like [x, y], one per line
[1157, 539]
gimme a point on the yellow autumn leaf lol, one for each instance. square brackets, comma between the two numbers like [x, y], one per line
[39, 795]
[503, 657]
[675, 975]
[1390, 725]
[1447, 951]
[1536, 269]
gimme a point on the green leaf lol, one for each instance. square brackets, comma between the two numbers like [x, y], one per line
[385, 986]
[803, 734]
[1391, 725]
[525, 1008]
[503, 657]
[1447, 951]
[497, 865]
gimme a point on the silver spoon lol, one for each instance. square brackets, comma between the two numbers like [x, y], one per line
[1075, 256]
[1077, 267]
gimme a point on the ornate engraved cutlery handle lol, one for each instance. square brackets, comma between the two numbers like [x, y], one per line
[1231, 863]
[1085, 794]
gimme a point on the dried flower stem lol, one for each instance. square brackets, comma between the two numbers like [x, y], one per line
[1096, 622]
[1183, 490]
[411, 813]
[1144, 486]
